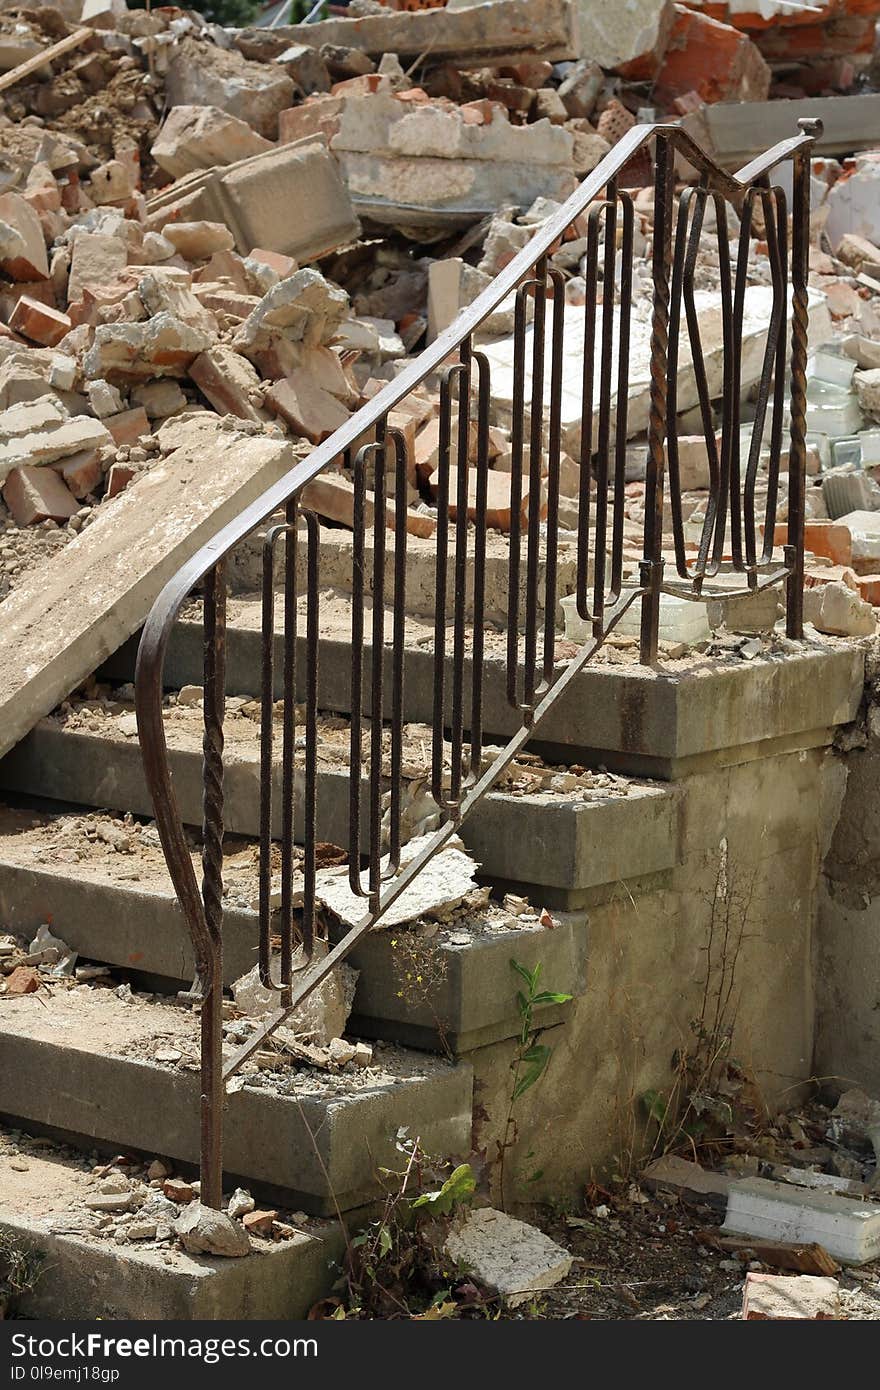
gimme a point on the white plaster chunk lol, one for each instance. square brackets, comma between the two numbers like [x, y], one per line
[508, 1255]
[440, 886]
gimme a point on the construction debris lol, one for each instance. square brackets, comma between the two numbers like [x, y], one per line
[803, 1297]
[507, 1255]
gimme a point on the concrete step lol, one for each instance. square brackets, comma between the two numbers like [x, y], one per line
[84, 1273]
[73, 1058]
[599, 830]
[442, 986]
[660, 722]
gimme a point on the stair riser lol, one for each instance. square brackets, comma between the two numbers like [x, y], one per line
[88, 1095]
[567, 849]
[468, 999]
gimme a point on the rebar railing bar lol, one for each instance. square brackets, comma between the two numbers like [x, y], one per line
[479, 566]
[652, 566]
[214, 704]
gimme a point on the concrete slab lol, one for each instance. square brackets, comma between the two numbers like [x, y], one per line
[84, 1276]
[66, 619]
[72, 1064]
[847, 1228]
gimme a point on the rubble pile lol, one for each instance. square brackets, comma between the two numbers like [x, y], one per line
[159, 260]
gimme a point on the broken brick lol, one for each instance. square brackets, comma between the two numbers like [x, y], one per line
[23, 980]
[39, 322]
[307, 408]
[128, 426]
[119, 477]
[38, 494]
[710, 58]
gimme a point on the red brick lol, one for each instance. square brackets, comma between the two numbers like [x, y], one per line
[714, 60]
[38, 494]
[128, 426]
[826, 538]
[82, 472]
[364, 85]
[284, 265]
[119, 477]
[307, 407]
[319, 115]
[23, 980]
[869, 587]
[259, 1223]
[39, 322]
[498, 509]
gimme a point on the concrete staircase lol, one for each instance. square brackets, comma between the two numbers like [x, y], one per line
[85, 1069]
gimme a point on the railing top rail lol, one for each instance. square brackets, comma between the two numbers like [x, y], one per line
[731, 186]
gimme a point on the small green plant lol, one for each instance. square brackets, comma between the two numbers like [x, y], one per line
[531, 1058]
[396, 1266]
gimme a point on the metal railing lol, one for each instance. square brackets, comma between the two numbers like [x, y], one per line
[729, 541]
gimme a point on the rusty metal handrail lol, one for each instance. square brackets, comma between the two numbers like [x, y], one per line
[533, 681]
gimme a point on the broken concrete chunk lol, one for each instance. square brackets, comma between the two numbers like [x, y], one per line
[196, 241]
[199, 75]
[240, 1203]
[161, 294]
[30, 434]
[847, 1228]
[304, 308]
[22, 246]
[200, 137]
[441, 885]
[162, 346]
[799, 1297]
[681, 1175]
[203, 1231]
[516, 1259]
[836, 609]
[322, 1015]
[96, 259]
[229, 382]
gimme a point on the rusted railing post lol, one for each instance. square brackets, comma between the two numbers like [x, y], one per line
[800, 266]
[211, 1174]
[652, 564]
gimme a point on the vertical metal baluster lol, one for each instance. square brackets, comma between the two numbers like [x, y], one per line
[398, 644]
[310, 781]
[357, 671]
[732, 415]
[520, 322]
[554, 448]
[442, 570]
[604, 434]
[622, 398]
[652, 564]
[775, 335]
[673, 483]
[720, 468]
[482, 499]
[267, 694]
[591, 276]
[779, 383]
[288, 751]
[797, 454]
[462, 461]
[377, 661]
[536, 458]
[212, 884]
